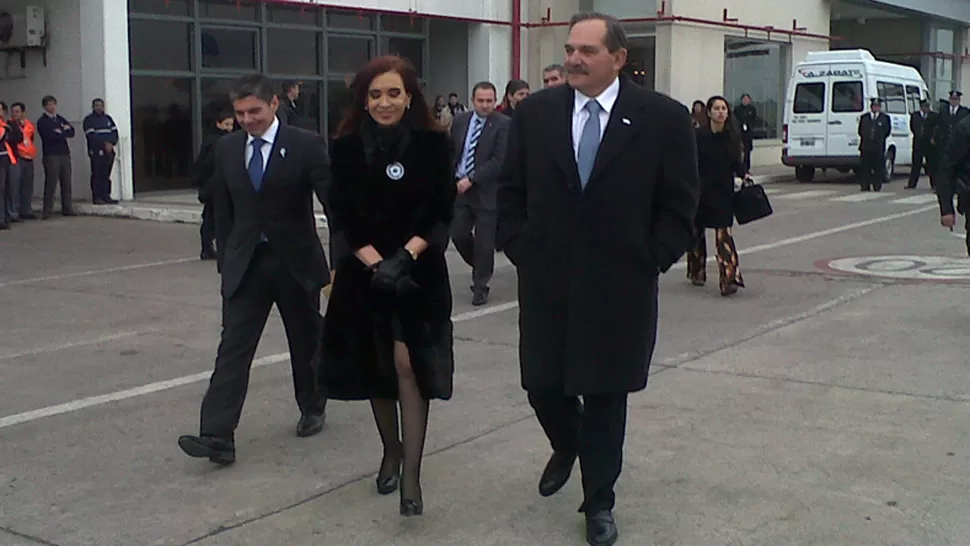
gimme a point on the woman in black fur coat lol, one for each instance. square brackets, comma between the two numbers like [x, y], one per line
[388, 332]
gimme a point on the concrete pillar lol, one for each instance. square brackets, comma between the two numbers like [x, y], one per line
[105, 74]
[489, 56]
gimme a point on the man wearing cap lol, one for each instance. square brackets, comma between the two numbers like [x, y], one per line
[921, 124]
[948, 118]
[874, 129]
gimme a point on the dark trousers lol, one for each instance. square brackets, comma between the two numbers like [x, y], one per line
[748, 143]
[919, 157]
[208, 230]
[478, 249]
[26, 185]
[873, 168]
[11, 192]
[595, 430]
[244, 315]
[4, 170]
[57, 170]
[101, 165]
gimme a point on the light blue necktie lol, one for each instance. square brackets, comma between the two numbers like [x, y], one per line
[469, 166]
[589, 143]
[256, 166]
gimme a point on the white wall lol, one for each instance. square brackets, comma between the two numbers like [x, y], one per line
[480, 9]
[811, 14]
[448, 45]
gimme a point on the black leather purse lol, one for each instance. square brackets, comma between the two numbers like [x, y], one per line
[751, 203]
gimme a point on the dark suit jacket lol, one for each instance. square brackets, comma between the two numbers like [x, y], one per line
[922, 129]
[282, 209]
[945, 122]
[589, 259]
[489, 155]
[874, 133]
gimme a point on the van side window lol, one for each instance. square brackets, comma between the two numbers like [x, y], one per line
[913, 95]
[892, 96]
[847, 97]
[809, 98]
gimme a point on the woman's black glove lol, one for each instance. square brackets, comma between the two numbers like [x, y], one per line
[393, 275]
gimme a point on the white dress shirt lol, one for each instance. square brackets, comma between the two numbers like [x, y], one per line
[268, 137]
[606, 100]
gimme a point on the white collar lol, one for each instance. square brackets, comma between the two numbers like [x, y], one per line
[269, 136]
[606, 99]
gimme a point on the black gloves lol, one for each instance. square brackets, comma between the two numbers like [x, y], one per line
[392, 276]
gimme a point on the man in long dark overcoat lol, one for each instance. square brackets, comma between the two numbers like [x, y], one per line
[596, 200]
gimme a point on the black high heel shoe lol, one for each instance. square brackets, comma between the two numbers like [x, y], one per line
[411, 507]
[390, 483]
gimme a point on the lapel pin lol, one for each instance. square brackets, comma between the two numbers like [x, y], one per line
[625, 121]
[282, 152]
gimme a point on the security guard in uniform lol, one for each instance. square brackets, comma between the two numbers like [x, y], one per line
[102, 137]
[953, 177]
[874, 129]
[949, 116]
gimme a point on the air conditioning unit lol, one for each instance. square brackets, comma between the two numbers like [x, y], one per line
[22, 29]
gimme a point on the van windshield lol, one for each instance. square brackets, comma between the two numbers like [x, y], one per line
[847, 97]
[809, 98]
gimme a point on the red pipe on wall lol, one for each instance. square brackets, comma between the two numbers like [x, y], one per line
[516, 39]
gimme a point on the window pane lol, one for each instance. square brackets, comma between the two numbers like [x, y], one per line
[172, 7]
[161, 112]
[228, 48]
[809, 98]
[308, 104]
[347, 54]
[293, 15]
[758, 69]
[893, 97]
[913, 95]
[244, 10]
[847, 97]
[292, 51]
[160, 45]
[411, 49]
[215, 100]
[350, 19]
[402, 23]
[338, 99]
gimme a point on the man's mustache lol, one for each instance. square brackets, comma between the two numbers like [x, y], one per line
[576, 69]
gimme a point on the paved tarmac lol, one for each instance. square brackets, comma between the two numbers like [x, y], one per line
[826, 404]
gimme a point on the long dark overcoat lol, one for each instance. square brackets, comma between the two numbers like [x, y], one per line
[384, 202]
[717, 168]
[588, 260]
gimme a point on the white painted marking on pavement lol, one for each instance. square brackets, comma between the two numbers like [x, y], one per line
[150, 388]
[917, 199]
[773, 191]
[79, 343]
[91, 401]
[90, 272]
[807, 194]
[862, 196]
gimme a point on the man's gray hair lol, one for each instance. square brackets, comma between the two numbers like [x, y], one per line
[554, 67]
[615, 35]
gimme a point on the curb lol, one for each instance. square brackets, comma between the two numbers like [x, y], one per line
[180, 214]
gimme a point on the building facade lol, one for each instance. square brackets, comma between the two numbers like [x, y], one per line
[163, 66]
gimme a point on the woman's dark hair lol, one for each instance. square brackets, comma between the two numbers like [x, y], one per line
[417, 116]
[700, 118]
[730, 127]
[514, 86]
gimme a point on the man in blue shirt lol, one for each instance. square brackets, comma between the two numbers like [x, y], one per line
[102, 136]
[54, 131]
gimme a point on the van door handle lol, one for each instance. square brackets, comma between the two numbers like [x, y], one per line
[836, 122]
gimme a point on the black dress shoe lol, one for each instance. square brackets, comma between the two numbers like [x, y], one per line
[601, 529]
[556, 473]
[4, 226]
[28, 216]
[217, 450]
[310, 424]
[69, 212]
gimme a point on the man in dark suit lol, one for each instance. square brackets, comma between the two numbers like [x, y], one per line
[874, 129]
[269, 252]
[597, 199]
[479, 138]
[921, 125]
[949, 116]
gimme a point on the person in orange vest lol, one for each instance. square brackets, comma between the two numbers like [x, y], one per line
[8, 169]
[26, 152]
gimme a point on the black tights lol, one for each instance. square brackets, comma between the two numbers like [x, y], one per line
[414, 425]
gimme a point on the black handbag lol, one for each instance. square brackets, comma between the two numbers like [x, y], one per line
[751, 203]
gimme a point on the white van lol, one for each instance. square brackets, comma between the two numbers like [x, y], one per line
[828, 93]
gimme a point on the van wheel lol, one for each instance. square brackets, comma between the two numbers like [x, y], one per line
[890, 165]
[804, 173]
